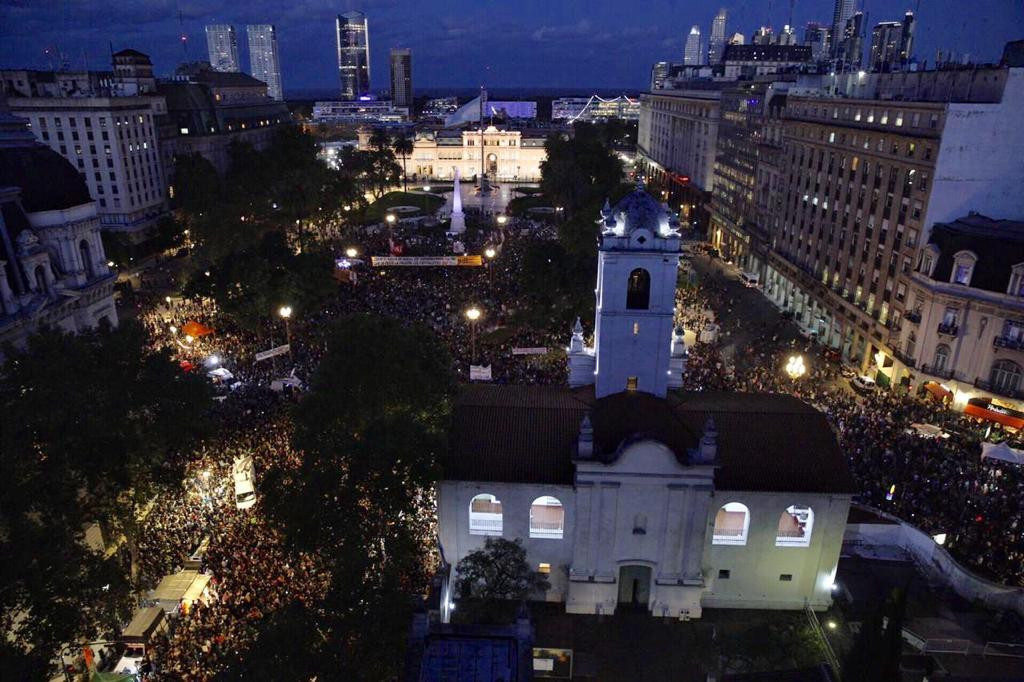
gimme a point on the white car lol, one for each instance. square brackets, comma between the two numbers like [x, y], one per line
[244, 474]
[863, 384]
[750, 279]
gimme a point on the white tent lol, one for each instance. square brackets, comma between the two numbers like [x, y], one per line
[1002, 451]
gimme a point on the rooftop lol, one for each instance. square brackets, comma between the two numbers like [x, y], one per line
[998, 244]
[528, 434]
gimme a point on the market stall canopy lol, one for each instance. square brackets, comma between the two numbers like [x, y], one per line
[196, 330]
[1002, 451]
[938, 390]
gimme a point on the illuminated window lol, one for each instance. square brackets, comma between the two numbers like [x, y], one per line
[631, 384]
[732, 523]
[795, 525]
[485, 515]
[636, 328]
[544, 568]
[547, 518]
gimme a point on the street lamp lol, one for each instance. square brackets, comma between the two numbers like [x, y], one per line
[285, 312]
[490, 253]
[390, 217]
[795, 367]
[502, 219]
[351, 252]
[472, 314]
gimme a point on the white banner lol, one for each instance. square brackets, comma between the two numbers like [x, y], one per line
[280, 350]
[425, 261]
[479, 372]
[529, 351]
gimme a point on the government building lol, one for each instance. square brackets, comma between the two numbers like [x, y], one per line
[504, 155]
[630, 494]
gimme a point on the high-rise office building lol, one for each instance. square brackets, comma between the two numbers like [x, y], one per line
[787, 36]
[222, 45]
[401, 77]
[716, 44]
[353, 55]
[907, 37]
[763, 36]
[691, 55]
[819, 39]
[849, 50]
[264, 63]
[885, 45]
[840, 15]
[659, 72]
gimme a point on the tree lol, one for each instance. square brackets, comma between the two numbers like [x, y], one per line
[250, 284]
[498, 571]
[403, 146]
[370, 431]
[579, 171]
[92, 430]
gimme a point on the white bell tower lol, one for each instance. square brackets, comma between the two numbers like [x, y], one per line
[637, 268]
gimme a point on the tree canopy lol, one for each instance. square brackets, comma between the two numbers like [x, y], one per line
[370, 429]
[497, 571]
[92, 426]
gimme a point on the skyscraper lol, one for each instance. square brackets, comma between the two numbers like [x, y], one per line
[401, 77]
[691, 55]
[716, 44]
[659, 72]
[222, 46]
[787, 36]
[354, 55]
[763, 36]
[885, 45]
[907, 37]
[842, 13]
[264, 63]
[850, 49]
[819, 39]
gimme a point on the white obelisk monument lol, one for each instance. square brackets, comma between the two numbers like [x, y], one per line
[458, 225]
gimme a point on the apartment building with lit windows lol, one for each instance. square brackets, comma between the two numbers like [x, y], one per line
[865, 180]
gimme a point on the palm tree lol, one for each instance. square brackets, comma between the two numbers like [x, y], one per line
[403, 147]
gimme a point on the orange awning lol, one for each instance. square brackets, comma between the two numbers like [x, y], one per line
[938, 391]
[196, 330]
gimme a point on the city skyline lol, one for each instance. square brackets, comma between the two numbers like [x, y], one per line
[540, 45]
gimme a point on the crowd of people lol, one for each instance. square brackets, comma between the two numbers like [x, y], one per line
[941, 485]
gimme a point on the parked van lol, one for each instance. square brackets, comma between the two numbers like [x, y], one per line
[244, 475]
[750, 279]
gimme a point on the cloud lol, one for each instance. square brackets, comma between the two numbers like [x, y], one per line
[579, 29]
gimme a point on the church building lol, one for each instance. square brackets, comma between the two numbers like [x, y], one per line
[630, 494]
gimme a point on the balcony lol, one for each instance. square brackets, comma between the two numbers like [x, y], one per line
[999, 390]
[912, 316]
[1008, 342]
[948, 329]
[936, 372]
[905, 359]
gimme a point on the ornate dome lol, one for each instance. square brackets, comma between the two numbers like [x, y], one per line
[47, 180]
[638, 210]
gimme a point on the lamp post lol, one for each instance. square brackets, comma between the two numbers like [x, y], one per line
[490, 253]
[502, 219]
[285, 312]
[795, 367]
[473, 314]
[351, 252]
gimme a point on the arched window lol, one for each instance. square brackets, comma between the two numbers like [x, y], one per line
[547, 518]
[1005, 376]
[638, 291]
[795, 526]
[86, 253]
[485, 515]
[731, 524]
[941, 357]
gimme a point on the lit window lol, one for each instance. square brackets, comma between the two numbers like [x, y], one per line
[184, 131]
[795, 525]
[544, 568]
[485, 515]
[547, 518]
[631, 383]
[636, 328]
[732, 522]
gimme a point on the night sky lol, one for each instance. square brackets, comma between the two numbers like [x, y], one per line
[572, 44]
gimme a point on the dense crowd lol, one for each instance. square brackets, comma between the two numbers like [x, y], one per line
[941, 485]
